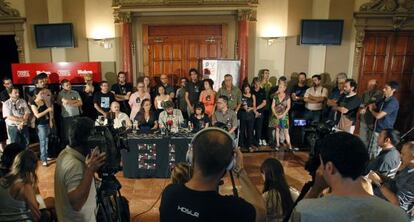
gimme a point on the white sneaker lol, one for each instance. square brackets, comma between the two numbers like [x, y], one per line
[50, 158]
[264, 143]
[44, 163]
[260, 143]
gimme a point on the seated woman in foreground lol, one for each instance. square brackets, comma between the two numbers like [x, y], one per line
[278, 196]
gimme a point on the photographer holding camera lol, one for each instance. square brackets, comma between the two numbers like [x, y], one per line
[198, 199]
[343, 159]
[74, 175]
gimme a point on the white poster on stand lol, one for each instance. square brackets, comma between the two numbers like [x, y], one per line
[216, 70]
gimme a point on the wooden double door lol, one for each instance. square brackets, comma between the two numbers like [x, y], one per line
[175, 49]
[390, 56]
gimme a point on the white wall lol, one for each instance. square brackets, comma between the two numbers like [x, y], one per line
[271, 22]
[100, 25]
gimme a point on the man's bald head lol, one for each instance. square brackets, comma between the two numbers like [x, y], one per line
[372, 84]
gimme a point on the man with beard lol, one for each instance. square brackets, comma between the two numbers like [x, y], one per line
[16, 112]
[385, 112]
[314, 100]
[347, 107]
[122, 91]
[170, 117]
[298, 93]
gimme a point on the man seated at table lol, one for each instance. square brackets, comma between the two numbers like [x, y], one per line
[224, 115]
[170, 118]
[119, 118]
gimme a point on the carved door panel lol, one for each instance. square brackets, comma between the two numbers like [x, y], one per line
[374, 58]
[175, 49]
[401, 69]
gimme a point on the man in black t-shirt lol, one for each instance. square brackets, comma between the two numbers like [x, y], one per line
[198, 199]
[192, 90]
[261, 102]
[298, 92]
[347, 107]
[102, 100]
[122, 90]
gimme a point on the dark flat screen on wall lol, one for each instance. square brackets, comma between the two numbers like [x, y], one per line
[59, 35]
[321, 32]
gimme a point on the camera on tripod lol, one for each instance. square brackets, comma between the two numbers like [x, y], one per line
[315, 133]
[112, 206]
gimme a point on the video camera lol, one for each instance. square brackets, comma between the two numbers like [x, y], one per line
[315, 133]
[108, 140]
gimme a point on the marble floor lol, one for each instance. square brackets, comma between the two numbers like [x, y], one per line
[144, 194]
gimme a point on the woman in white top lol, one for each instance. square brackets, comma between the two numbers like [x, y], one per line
[120, 118]
[136, 99]
[17, 189]
[278, 196]
[161, 97]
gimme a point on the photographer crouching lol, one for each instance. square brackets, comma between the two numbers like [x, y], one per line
[213, 152]
[75, 190]
[343, 159]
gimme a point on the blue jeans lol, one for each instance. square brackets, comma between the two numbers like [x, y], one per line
[20, 137]
[43, 133]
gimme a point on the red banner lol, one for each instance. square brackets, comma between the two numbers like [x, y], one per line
[23, 73]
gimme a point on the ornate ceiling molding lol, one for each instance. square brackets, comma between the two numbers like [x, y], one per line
[181, 3]
[386, 6]
[7, 11]
[247, 14]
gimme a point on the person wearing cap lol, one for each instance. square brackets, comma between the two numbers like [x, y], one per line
[170, 118]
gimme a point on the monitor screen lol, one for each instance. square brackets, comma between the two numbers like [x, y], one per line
[321, 32]
[59, 35]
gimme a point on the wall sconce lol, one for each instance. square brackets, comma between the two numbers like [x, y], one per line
[270, 40]
[104, 43]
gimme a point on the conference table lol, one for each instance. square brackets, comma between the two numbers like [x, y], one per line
[151, 155]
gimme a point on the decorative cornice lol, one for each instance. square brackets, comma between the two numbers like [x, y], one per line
[187, 3]
[388, 6]
[122, 17]
[7, 11]
[246, 14]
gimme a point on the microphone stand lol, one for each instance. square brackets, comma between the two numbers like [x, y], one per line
[235, 192]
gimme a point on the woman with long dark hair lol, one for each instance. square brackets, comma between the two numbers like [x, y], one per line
[247, 115]
[277, 194]
[208, 97]
[146, 117]
[161, 97]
